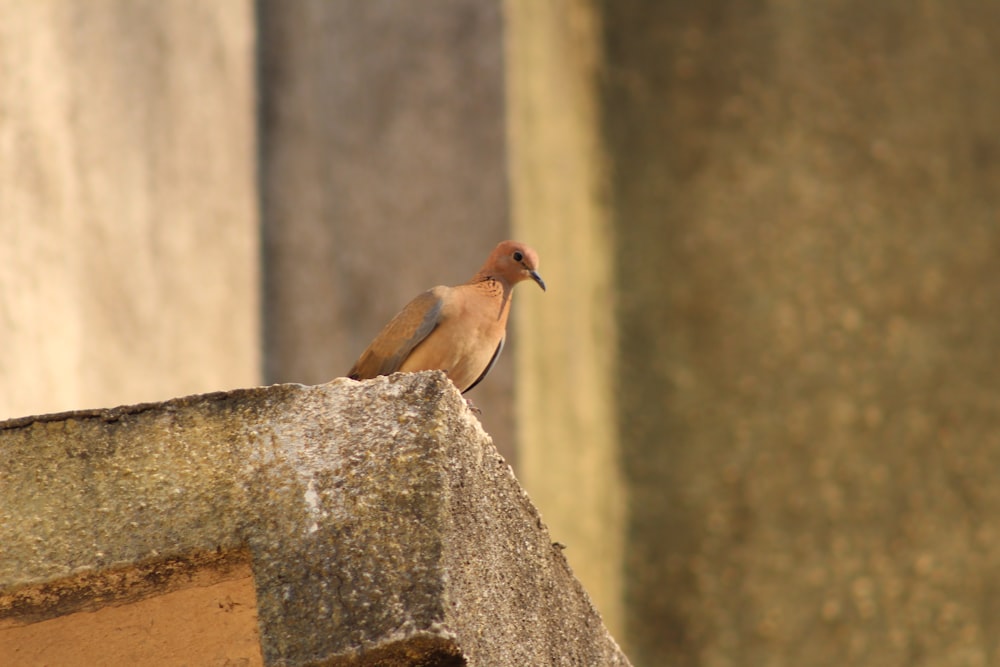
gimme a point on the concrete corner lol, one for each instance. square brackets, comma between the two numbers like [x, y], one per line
[380, 524]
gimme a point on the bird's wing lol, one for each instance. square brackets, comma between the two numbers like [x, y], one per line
[489, 366]
[403, 333]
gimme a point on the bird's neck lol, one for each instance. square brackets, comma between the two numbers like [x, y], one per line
[497, 288]
[490, 282]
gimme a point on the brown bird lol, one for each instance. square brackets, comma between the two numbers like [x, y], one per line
[459, 330]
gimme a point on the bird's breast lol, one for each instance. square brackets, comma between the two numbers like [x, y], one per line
[465, 340]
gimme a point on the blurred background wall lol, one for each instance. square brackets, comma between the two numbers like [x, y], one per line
[760, 402]
[129, 264]
[382, 174]
[807, 213]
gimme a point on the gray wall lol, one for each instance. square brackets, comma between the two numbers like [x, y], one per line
[383, 174]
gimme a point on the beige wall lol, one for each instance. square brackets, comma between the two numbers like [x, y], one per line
[568, 452]
[128, 259]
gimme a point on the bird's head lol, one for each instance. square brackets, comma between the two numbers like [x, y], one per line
[513, 261]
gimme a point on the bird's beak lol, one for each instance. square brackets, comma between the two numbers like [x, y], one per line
[537, 278]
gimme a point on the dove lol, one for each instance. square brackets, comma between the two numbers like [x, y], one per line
[459, 330]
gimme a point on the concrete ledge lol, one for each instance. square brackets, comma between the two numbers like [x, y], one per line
[380, 523]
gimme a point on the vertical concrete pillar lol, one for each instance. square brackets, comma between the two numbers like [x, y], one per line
[568, 457]
[128, 224]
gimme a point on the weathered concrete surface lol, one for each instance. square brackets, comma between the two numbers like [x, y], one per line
[128, 206]
[382, 525]
[383, 174]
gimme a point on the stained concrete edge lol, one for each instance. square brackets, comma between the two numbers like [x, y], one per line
[378, 516]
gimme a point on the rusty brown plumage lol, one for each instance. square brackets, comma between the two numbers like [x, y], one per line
[459, 330]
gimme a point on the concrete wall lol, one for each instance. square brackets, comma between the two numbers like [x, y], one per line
[804, 214]
[383, 174]
[809, 236]
[376, 522]
[128, 220]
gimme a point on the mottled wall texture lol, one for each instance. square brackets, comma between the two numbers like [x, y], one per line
[128, 205]
[806, 202]
[383, 174]
[804, 205]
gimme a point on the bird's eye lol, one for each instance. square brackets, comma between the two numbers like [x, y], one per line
[518, 256]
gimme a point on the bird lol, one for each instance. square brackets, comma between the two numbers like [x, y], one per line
[459, 330]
